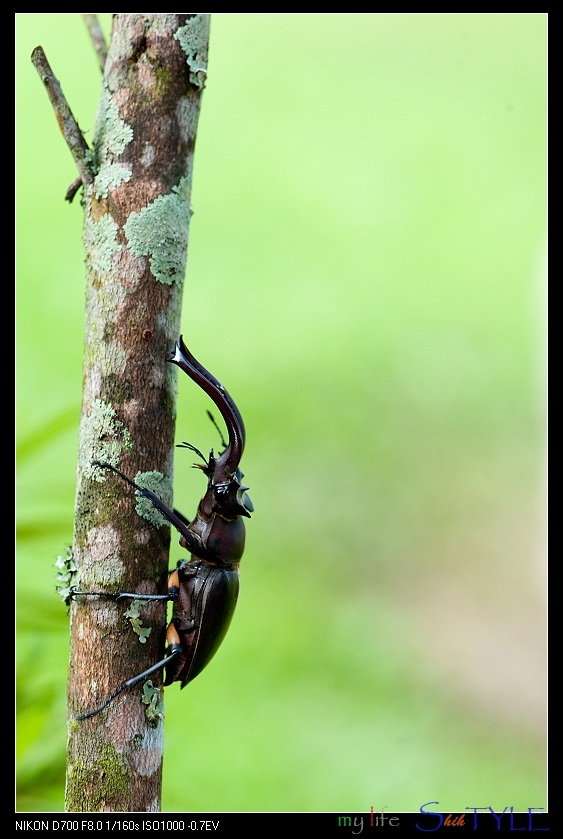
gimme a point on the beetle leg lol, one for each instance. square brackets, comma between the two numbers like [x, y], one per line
[122, 595]
[148, 597]
[182, 517]
[193, 542]
[173, 651]
[173, 591]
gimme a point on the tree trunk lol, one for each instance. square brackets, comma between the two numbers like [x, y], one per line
[136, 217]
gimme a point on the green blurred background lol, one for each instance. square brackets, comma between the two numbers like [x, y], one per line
[366, 273]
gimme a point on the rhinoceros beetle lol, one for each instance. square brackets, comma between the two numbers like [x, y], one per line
[203, 589]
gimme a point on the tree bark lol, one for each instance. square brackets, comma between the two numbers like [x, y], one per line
[136, 218]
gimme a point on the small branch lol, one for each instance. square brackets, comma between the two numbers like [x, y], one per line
[67, 123]
[73, 189]
[98, 40]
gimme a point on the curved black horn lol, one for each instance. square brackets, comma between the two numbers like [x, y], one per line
[229, 460]
[211, 378]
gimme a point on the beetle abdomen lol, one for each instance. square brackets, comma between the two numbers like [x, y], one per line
[202, 615]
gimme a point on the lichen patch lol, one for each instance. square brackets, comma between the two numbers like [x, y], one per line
[100, 243]
[103, 437]
[111, 135]
[160, 231]
[162, 487]
[194, 40]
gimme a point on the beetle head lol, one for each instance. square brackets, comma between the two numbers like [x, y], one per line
[228, 498]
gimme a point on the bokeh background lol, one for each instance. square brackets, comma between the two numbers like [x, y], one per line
[366, 273]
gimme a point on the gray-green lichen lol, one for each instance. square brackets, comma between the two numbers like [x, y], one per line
[111, 135]
[194, 40]
[152, 698]
[161, 230]
[133, 614]
[102, 437]
[100, 242]
[110, 176]
[66, 575]
[162, 487]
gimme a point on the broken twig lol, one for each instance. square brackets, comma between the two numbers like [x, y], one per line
[67, 123]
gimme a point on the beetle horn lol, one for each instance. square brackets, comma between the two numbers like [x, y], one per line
[227, 464]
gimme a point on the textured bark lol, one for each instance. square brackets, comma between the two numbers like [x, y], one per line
[136, 216]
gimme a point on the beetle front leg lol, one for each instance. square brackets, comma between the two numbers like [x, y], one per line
[191, 541]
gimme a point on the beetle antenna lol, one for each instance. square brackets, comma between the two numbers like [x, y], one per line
[212, 418]
[189, 446]
[174, 651]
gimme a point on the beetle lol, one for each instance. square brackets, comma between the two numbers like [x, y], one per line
[203, 589]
